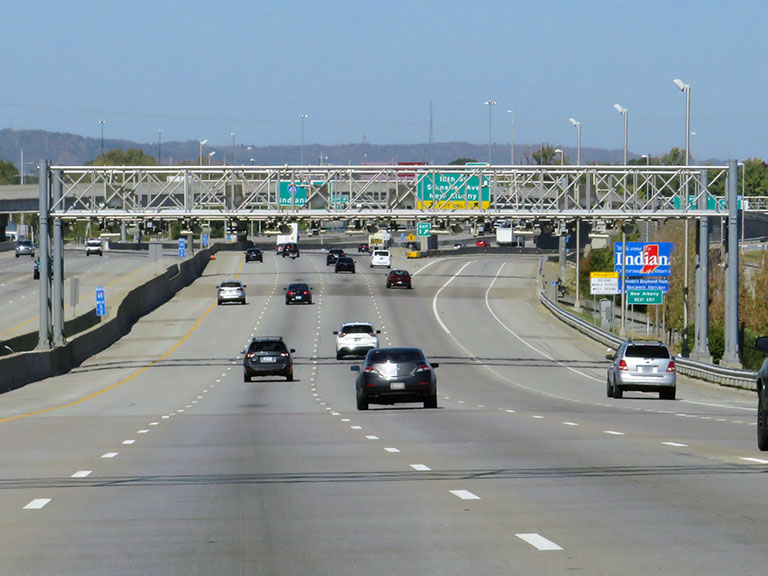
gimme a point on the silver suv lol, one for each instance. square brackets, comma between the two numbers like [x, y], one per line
[93, 246]
[25, 248]
[644, 366]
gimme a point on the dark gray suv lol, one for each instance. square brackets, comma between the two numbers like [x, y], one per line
[762, 396]
[267, 356]
[25, 248]
[643, 366]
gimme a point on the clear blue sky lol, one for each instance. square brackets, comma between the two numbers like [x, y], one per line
[203, 69]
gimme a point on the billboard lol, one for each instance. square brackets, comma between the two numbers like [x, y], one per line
[643, 258]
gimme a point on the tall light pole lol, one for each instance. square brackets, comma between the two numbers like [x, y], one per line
[578, 140]
[686, 89]
[490, 104]
[210, 155]
[624, 112]
[303, 117]
[233, 147]
[102, 122]
[562, 155]
[159, 145]
[511, 137]
[202, 143]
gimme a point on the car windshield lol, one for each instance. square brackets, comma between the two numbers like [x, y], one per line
[230, 284]
[395, 356]
[25, 243]
[357, 329]
[647, 351]
[268, 346]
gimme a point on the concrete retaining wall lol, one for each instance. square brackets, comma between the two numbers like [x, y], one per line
[20, 369]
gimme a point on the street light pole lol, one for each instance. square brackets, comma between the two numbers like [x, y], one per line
[303, 117]
[202, 143]
[562, 155]
[233, 147]
[624, 112]
[511, 137]
[102, 122]
[159, 145]
[490, 104]
[686, 89]
[210, 155]
[578, 140]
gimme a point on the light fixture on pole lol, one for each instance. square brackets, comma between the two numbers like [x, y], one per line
[490, 104]
[202, 143]
[624, 112]
[562, 155]
[686, 89]
[233, 147]
[647, 159]
[511, 137]
[578, 139]
[303, 117]
[210, 155]
[102, 122]
[159, 145]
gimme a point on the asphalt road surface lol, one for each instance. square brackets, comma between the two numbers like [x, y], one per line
[155, 457]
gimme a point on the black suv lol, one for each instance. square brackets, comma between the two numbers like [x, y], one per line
[762, 397]
[333, 255]
[267, 356]
[254, 254]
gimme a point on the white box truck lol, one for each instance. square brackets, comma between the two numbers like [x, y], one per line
[505, 237]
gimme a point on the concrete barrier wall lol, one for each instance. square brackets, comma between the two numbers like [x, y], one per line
[20, 369]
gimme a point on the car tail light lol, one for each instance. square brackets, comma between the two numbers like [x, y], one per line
[371, 333]
[306, 292]
[423, 368]
[289, 293]
[285, 354]
[250, 355]
[369, 370]
[671, 366]
[623, 365]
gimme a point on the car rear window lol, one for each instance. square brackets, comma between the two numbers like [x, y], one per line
[230, 284]
[298, 287]
[647, 351]
[395, 356]
[380, 253]
[268, 346]
[357, 329]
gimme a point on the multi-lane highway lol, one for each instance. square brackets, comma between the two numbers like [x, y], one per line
[155, 457]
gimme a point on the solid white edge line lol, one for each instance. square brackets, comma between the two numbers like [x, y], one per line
[437, 295]
[538, 541]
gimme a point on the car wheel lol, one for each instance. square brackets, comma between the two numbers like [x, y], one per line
[339, 355]
[246, 378]
[608, 389]
[431, 402]
[289, 376]
[667, 394]
[88, 254]
[362, 403]
[17, 255]
[389, 285]
[762, 425]
[617, 392]
[218, 303]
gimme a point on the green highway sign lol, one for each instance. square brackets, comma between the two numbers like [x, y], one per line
[452, 188]
[292, 194]
[424, 228]
[645, 297]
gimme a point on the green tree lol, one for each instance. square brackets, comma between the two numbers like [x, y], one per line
[119, 157]
[675, 157]
[8, 173]
[461, 161]
[546, 156]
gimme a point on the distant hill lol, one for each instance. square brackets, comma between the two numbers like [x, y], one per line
[72, 150]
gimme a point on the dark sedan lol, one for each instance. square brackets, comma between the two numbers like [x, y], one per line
[254, 255]
[391, 375]
[344, 264]
[400, 278]
[298, 293]
[333, 255]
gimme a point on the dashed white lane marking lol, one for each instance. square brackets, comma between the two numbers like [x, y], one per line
[537, 417]
[614, 432]
[391, 450]
[109, 455]
[372, 437]
[755, 460]
[421, 467]
[81, 474]
[128, 442]
[345, 420]
[154, 423]
[37, 504]
[356, 427]
[570, 423]
[142, 431]
[465, 495]
[166, 417]
[675, 444]
[510, 411]
[538, 541]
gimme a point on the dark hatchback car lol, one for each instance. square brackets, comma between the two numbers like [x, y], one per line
[298, 293]
[344, 264]
[762, 397]
[333, 255]
[363, 247]
[291, 249]
[254, 255]
[399, 278]
[391, 375]
[267, 356]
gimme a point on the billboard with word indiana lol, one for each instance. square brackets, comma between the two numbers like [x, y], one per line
[644, 258]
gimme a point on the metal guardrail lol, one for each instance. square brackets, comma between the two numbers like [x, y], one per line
[731, 377]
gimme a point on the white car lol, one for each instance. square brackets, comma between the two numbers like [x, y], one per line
[381, 258]
[355, 339]
[93, 246]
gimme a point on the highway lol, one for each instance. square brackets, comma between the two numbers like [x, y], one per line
[155, 457]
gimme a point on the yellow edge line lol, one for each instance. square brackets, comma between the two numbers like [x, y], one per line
[129, 378]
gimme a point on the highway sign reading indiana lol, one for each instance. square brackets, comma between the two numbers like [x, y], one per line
[644, 258]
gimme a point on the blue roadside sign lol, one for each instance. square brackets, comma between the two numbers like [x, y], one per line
[182, 247]
[644, 258]
[101, 301]
[647, 283]
[205, 240]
